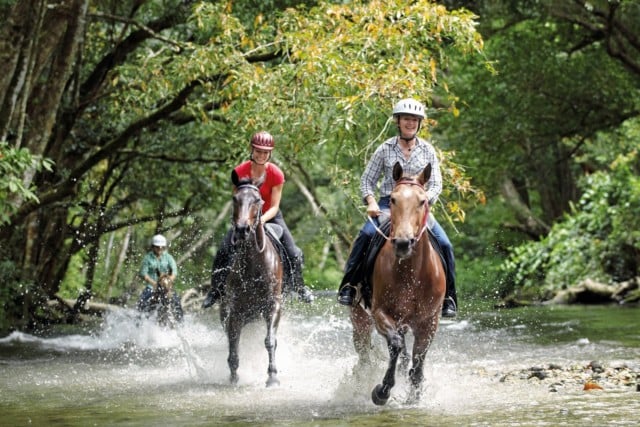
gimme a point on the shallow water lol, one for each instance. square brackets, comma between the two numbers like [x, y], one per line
[122, 373]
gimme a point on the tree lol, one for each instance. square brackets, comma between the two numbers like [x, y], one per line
[135, 102]
[558, 83]
[556, 112]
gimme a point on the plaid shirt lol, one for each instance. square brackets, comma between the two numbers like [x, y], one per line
[387, 154]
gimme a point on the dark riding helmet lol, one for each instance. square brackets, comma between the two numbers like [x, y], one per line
[263, 140]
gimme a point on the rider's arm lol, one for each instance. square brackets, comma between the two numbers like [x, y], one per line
[276, 196]
[369, 181]
[434, 185]
[144, 272]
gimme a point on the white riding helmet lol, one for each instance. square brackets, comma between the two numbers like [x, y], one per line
[409, 106]
[159, 240]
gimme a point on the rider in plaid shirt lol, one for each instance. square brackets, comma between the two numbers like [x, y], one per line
[414, 154]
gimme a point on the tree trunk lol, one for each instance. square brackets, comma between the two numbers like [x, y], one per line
[116, 269]
[528, 222]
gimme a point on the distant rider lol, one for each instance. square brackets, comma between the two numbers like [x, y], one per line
[158, 261]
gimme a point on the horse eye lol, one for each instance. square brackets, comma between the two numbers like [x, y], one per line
[393, 201]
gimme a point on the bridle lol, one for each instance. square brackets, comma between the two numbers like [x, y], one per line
[406, 181]
[253, 227]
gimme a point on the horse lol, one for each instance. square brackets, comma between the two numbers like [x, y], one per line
[163, 301]
[253, 288]
[408, 281]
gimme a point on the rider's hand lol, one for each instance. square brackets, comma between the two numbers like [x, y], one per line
[373, 210]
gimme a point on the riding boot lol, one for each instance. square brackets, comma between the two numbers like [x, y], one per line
[450, 304]
[304, 293]
[347, 289]
[219, 273]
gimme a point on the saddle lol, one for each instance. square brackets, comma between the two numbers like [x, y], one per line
[275, 231]
[364, 272]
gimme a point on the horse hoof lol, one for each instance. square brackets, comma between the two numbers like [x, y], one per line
[379, 396]
[413, 398]
[271, 382]
[233, 379]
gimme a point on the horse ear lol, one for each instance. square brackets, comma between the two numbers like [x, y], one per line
[425, 175]
[397, 171]
[234, 177]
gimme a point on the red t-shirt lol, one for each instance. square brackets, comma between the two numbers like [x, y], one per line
[273, 177]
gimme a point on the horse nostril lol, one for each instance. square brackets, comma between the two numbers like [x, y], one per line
[242, 231]
[402, 244]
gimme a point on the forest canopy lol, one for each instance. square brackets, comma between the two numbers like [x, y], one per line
[123, 119]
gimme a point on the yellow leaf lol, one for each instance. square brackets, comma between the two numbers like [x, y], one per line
[432, 66]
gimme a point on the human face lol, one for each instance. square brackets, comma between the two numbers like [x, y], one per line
[158, 249]
[408, 125]
[261, 156]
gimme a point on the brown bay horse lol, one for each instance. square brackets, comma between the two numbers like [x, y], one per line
[408, 287]
[253, 289]
[163, 302]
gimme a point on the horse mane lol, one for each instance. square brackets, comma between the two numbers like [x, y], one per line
[244, 181]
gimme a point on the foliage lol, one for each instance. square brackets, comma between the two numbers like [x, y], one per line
[556, 85]
[14, 162]
[598, 240]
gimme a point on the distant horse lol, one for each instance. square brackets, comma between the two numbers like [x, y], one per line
[163, 301]
[408, 287]
[253, 289]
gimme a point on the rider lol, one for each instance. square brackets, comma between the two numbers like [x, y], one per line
[157, 261]
[414, 154]
[270, 180]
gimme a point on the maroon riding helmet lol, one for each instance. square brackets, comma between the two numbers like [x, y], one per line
[263, 140]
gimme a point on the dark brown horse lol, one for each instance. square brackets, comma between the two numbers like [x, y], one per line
[253, 289]
[408, 287]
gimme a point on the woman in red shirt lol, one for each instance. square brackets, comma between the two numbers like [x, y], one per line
[269, 178]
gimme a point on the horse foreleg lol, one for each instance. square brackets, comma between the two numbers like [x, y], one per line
[271, 343]
[404, 356]
[395, 341]
[362, 328]
[233, 336]
[421, 345]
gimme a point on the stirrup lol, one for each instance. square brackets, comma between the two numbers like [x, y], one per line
[449, 308]
[212, 297]
[347, 294]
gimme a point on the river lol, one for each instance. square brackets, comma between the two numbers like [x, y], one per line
[518, 367]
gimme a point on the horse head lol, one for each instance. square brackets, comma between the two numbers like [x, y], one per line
[247, 209]
[164, 285]
[409, 210]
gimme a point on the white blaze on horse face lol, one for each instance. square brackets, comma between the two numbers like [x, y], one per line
[408, 203]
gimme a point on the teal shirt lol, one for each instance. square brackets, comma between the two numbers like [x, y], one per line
[151, 265]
